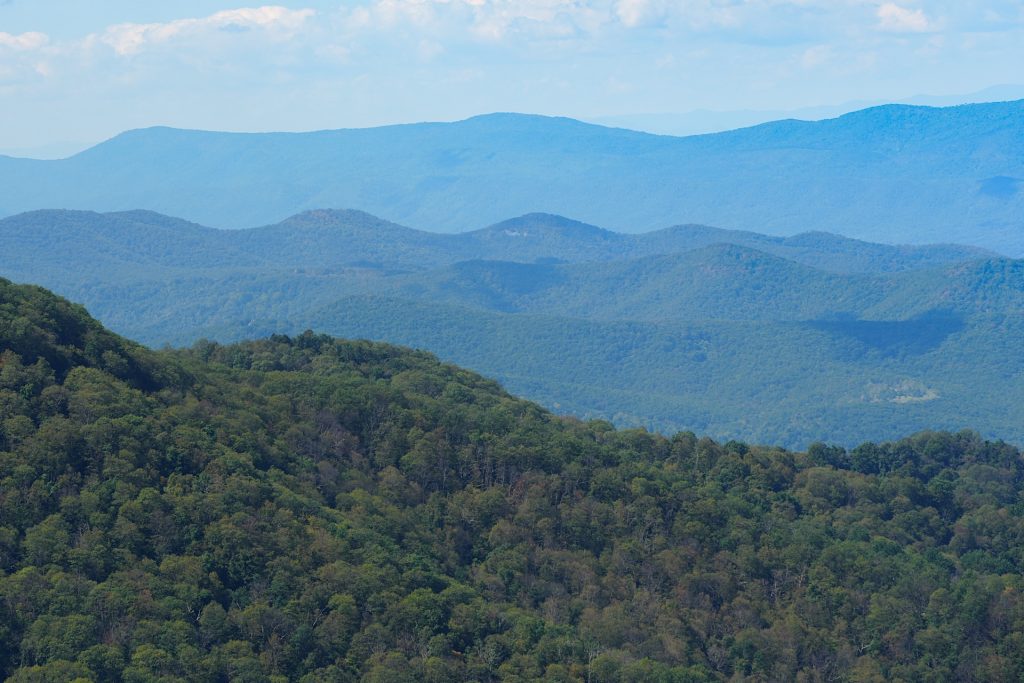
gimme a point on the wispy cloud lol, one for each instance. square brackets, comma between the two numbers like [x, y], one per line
[893, 17]
[816, 56]
[486, 20]
[23, 42]
[281, 22]
[633, 13]
[501, 19]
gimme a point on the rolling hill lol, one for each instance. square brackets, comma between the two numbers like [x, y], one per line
[823, 338]
[143, 243]
[890, 174]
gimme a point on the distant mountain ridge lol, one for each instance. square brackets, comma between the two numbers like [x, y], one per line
[348, 238]
[893, 173]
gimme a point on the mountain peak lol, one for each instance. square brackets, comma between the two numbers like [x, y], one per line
[347, 219]
[520, 119]
[542, 226]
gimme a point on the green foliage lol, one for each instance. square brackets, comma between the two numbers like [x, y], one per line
[304, 508]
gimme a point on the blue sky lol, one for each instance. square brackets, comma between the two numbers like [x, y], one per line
[81, 70]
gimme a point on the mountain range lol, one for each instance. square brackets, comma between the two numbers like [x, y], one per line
[145, 242]
[702, 121]
[734, 334]
[894, 173]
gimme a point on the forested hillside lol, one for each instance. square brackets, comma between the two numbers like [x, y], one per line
[787, 383]
[305, 508]
[892, 173]
[732, 334]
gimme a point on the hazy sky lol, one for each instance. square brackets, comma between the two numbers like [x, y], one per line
[82, 70]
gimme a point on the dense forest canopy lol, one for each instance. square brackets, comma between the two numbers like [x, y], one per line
[306, 508]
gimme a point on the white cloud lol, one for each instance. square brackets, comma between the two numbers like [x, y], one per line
[281, 22]
[485, 20]
[390, 12]
[23, 42]
[633, 13]
[23, 58]
[816, 56]
[893, 17]
[498, 20]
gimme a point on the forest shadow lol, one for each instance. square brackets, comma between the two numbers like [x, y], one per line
[916, 335]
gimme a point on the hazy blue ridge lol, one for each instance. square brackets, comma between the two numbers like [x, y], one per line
[895, 173]
[146, 242]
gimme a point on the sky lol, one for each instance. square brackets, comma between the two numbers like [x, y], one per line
[79, 71]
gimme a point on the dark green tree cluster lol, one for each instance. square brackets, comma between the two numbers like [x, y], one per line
[308, 509]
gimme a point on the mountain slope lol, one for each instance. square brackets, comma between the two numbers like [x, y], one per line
[718, 282]
[823, 250]
[313, 509]
[894, 173]
[789, 383]
[127, 244]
